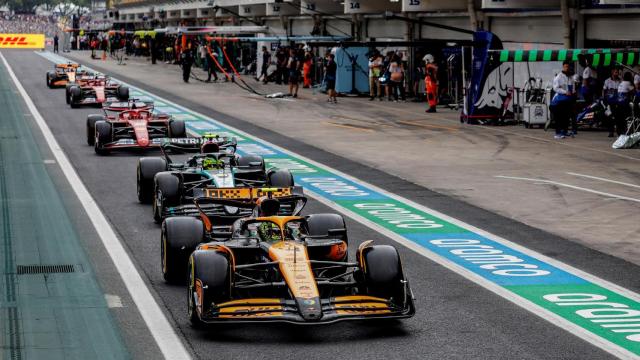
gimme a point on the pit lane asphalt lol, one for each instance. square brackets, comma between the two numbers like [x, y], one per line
[455, 319]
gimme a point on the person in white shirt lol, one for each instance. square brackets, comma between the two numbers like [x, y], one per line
[589, 81]
[611, 84]
[562, 102]
[375, 71]
[621, 108]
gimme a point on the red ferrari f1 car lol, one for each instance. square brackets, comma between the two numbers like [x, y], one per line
[96, 91]
[132, 124]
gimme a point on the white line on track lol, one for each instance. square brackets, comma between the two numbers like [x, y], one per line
[542, 181]
[165, 336]
[547, 315]
[605, 180]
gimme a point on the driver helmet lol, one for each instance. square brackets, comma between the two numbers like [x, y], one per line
[269, 232]
[267, 207]
[429, 59]
[209, 147]
[211, 164]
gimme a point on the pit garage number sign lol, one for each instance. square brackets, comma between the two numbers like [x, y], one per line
[21, 41]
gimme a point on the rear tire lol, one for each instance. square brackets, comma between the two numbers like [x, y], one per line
[148, 167]
[213, 271]
[280, 178]
[104, 135]
[180, 237]
[91, 127]
[177, 129]
[319, 225]
[123, 93]
[166, 194]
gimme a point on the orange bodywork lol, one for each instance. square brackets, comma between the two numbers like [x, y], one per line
[295, 268]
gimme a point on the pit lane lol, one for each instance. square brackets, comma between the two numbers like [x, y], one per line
[456, 318]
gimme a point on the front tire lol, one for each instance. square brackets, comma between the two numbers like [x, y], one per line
[382, 274]
[209, 277]
[91, 127]
[166, 194]
[49, 82]
[104, 136]
[67, 93]
[75, 95]
[180, 237]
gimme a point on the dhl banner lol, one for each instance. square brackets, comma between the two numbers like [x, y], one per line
[21, 41]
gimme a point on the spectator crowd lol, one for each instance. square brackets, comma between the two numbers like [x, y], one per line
[29, 24]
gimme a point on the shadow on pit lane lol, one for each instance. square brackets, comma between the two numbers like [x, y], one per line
[304, 334]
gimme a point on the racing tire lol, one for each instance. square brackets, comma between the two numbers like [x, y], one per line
[75, 93]
[280, 178]
[250, 160]
[382, 273]
[166, 194]
[123, 93]
[104, 135]
[320, 225]
[147, 169]
[253, 168]
[213, 271]
[177, 129]
[91, 127]
[67, 93]
[49, 82]
[180, 237]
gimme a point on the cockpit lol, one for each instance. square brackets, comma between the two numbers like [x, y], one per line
[212, 161]
[270, 231]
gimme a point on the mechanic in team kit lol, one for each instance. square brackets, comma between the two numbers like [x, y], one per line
[589, 80]
[431, 82]
[563, 100]
[609, 93]
[187, 58]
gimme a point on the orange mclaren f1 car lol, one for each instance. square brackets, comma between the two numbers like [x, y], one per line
[64, 74]
[291, 269]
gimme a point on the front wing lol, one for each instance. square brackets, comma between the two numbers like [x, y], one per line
[335, 309]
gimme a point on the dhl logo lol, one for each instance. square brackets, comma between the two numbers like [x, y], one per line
[13, 41]
[22, 41]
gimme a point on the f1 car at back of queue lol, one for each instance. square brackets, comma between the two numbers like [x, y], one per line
[293, 269]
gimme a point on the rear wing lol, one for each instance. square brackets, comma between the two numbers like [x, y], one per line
[67, 66]
[250, 194]
[194, 145]
[292, 198]
[119, 106]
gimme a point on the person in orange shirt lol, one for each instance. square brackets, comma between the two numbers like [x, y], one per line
[431, 82]
[307, 64]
